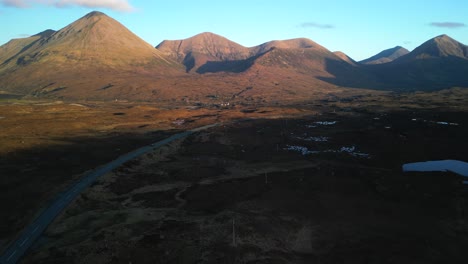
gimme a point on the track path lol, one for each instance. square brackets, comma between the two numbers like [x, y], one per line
[32, 232]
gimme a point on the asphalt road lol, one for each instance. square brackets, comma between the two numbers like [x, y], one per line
[31, 233]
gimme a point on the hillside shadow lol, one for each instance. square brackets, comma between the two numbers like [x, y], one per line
[235, 66]
[350, 76]
[429, 74]
[424, 74]
[42, 37]
[189, 62]
[373, 187]
[31, 178]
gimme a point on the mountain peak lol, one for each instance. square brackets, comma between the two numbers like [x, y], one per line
[94, 14]
[297, 43]
[95, 39]
[205, 47]
[440, 46]
[95, 49]
[387, 55]
[209, 38]
[199, 40]
[443, 36]
[204, 34]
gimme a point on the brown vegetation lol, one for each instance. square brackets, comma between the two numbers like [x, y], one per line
[181, 203]
[97, 58]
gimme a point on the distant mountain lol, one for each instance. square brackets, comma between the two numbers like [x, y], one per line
[196, 51]
[441, 62]
[304, 61]
[208, 52]
[298, 43]
[16, 46]
[91, 49]
[386, 56]
[345, 57]
[97, 58]
[93, 39]
[441, 46]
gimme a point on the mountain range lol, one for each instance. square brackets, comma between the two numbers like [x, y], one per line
[96, 57]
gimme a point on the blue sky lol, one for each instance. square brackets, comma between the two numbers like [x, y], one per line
[360, 28]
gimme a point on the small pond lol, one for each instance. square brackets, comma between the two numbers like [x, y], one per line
[455, 166]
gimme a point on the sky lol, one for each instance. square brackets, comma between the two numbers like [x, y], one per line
[360, 28]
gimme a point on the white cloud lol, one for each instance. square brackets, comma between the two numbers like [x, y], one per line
[316, 25]
[118, 5]
[15, 3]
[448, 24]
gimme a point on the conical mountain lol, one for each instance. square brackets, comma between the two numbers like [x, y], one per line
[438, 63]
[439, 47]
[386, 56]
[196, 51]
[94, 39]
[95, 50]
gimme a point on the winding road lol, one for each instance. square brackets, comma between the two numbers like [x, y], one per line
[32, 232]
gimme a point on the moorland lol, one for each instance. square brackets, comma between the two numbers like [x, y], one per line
[304, 166]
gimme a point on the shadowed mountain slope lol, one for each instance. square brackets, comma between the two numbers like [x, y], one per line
[345, 57]
[312, 64]
[16, 46]
[439, 63]
[208, 52]
[301, 58]
[386, 56]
